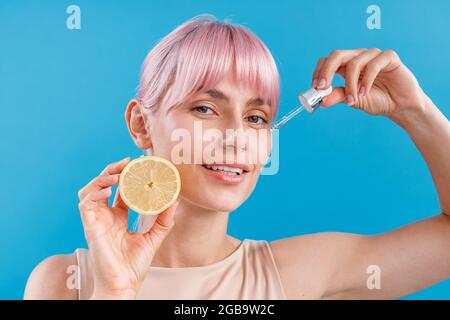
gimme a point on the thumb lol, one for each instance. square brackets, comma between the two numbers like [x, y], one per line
[162, 226]
[336, 96]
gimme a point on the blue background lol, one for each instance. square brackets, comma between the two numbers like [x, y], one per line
[63, 94]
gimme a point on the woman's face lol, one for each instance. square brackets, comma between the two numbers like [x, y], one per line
[224, 129]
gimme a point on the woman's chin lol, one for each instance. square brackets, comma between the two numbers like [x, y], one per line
[213, 190]
[213, 200]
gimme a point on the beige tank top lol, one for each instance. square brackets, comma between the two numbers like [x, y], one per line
[249, 272]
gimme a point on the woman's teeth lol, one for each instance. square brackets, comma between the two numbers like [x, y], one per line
[227, 170]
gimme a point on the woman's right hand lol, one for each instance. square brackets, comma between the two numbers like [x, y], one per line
[120, 258]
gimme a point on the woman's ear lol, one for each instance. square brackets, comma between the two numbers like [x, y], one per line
[136, 123]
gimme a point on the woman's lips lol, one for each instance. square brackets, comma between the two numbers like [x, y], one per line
[224, 177]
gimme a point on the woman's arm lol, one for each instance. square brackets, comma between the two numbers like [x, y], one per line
[341, 265]
[332, 265]
[418, 255]
[430, 131]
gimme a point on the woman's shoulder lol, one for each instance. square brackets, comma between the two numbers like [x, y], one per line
[53, 278]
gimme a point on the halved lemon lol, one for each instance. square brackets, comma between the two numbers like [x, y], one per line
[149, 184]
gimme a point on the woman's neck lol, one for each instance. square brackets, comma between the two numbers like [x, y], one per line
[198, 238]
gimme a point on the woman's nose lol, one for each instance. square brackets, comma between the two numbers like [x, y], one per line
[234, 122]
[235, 141]
[234, 134]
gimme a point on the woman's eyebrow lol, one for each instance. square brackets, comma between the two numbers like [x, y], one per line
[217, 94]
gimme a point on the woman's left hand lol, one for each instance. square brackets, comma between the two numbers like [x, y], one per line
[376, 82]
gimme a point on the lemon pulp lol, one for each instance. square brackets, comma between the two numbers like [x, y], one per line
[149, 184]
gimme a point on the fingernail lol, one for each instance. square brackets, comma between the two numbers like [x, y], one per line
[314, 84]
[362, 91]
[350, 100]
[322, 83]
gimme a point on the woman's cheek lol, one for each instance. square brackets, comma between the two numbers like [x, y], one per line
[264, 147]
[177, 142]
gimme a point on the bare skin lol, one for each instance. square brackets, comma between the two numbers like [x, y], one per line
[325, 265]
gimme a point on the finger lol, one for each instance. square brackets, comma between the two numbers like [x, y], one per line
[95, 184]
[386, 61]
[118, 201]
[336, 96]
[315, 76]
[88, 208]
[98, 183]
[341, 71]
[353, 72]
[94, 200]
[115, 167]
[334, 61]
[162, 226]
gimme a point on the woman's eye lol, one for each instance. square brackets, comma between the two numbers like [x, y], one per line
[203, 109]
[257, 119]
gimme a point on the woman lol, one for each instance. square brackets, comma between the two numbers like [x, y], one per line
[223, 76]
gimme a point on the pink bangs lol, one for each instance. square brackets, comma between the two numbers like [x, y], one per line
[197, 55]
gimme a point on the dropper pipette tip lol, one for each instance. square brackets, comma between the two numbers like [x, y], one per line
[287, 117]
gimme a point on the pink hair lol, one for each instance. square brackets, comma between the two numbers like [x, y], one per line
[198, 54]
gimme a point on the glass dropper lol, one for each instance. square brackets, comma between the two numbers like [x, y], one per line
[288, 117]
[309, 100]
